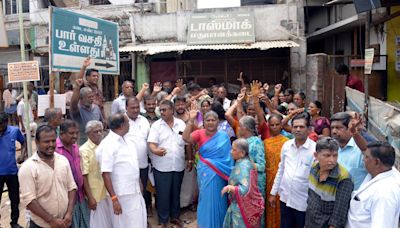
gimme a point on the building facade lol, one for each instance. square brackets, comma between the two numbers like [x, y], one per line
[153, 41]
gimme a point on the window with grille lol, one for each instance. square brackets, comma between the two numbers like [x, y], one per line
[11, 6]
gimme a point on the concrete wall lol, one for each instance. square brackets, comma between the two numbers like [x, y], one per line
[41, 16]
[298, 55]
[317, 20]
[321, 18]
[9, 55]
[315, 72]
[173, 27]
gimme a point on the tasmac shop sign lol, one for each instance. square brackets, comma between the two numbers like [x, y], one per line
[221, 28]
[74, 37]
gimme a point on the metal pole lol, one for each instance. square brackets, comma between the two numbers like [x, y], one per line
[25, 84]
[366, 90]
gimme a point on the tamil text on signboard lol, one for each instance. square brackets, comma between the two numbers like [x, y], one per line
[75, 37]
[221, 28]
[23, 71]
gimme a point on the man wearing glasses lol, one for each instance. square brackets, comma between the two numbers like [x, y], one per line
[168, 158]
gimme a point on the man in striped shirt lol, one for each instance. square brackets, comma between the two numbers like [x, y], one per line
[330, 188]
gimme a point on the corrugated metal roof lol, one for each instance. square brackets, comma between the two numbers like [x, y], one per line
[155, 48]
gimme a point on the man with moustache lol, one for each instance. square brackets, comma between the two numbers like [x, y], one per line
[168, 158]
[150, 104]
[221, 95]
[119, 165]
[119, 104]
[92, 78]
[139, 128]
[377, 202]
[66, 145]
[350, 155]
[83, 109]
[180, 108]
[48, 189]
[291, 180]
[93, 183]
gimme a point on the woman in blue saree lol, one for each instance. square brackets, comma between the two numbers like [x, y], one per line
[213, 169]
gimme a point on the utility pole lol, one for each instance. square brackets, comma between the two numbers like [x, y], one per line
[25, 84]
[366, 84]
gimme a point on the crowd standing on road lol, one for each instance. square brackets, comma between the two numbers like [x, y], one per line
[268, 158]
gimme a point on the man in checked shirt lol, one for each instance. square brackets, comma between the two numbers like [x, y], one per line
[330, 188]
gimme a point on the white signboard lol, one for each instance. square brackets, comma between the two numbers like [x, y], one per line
[44, 103]
[206, 4]
[369, 60]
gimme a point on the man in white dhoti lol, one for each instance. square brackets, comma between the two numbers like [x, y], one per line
[93, 183]
[120, 170]
[139, 128]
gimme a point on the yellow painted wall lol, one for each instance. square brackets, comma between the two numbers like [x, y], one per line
[393, 29]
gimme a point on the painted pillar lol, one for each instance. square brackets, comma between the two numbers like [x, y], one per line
[393, 52]
[142, 73]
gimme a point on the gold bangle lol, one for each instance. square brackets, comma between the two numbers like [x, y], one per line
[114, 198]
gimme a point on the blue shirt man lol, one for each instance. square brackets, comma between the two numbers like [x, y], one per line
[350, 155]
[8, 164]
[351, 158]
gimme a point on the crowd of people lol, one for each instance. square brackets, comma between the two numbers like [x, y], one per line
[268, 158]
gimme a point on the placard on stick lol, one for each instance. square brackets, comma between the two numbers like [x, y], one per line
[44, 103]
[23, 71]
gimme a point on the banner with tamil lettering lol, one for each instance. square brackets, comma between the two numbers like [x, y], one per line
[221, 28]
[74, 37]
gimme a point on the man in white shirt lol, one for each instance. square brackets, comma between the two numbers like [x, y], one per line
[377, 202]
[291, 180]
[139, 128]
[119, 165]
[119, 104]
[221, 93]
[21, 116]
[168, 159]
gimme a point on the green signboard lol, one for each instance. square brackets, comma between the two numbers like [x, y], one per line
[221, 28]
[74, 37]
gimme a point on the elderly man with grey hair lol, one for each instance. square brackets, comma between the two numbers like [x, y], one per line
[83, 109]
[93, 183]
[53, 117]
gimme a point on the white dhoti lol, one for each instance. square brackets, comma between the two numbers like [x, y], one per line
[100, 218]
[187, 188]
[133, 212]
